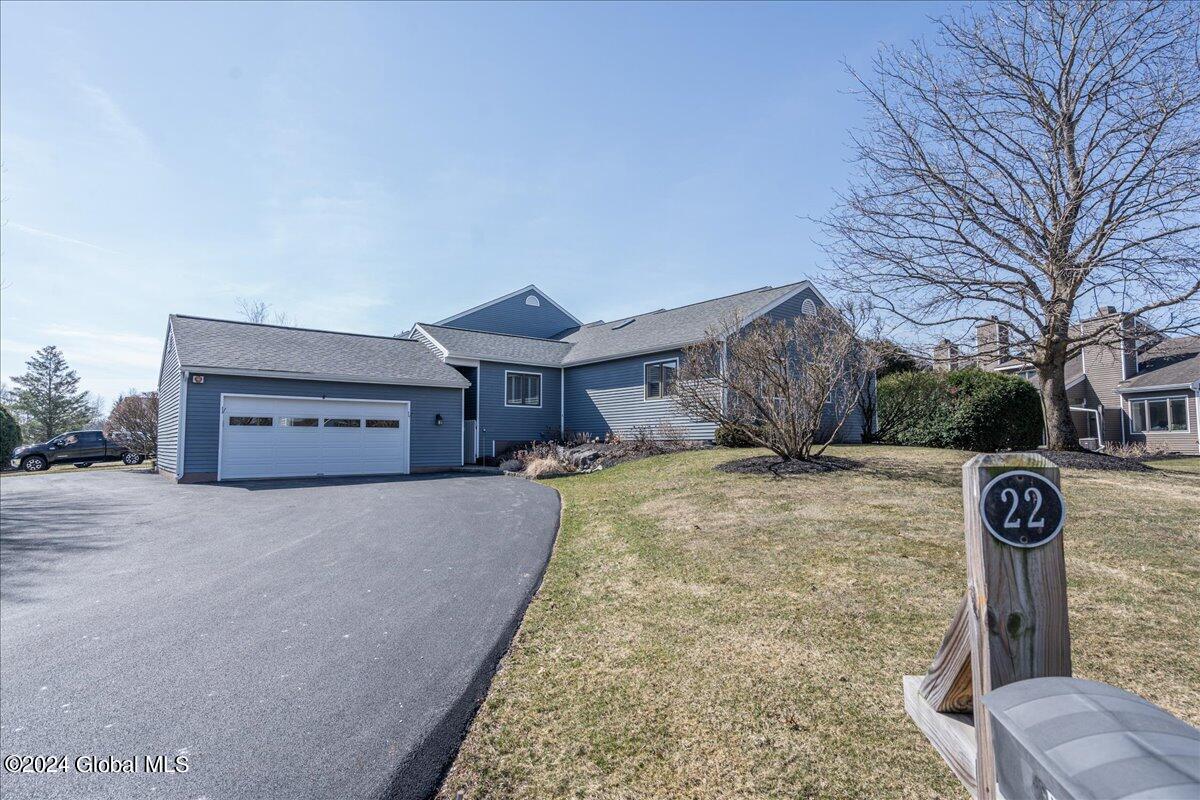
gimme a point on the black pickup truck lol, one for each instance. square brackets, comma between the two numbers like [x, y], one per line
[81, 448]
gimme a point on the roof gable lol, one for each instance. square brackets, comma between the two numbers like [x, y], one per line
[656, 331]
[525, 312]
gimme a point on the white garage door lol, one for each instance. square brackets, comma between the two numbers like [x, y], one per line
[281, 437]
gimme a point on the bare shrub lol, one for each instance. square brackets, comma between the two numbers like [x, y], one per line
[787, 385]
[133, 423]
[1135, 450]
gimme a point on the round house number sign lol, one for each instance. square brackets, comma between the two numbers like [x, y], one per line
[1022, 508]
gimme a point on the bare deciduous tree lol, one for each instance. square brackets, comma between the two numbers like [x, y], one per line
[133, 422]
[259, 311]
[1041, 163]
[787, 385]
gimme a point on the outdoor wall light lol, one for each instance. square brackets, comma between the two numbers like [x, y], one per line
[437, 419]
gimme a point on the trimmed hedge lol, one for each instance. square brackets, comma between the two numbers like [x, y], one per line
[967, 409]
[732, 437]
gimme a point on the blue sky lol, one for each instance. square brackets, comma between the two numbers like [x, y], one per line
[362, 167]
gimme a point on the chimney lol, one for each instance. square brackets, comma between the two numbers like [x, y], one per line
[992, 346]
[946, 356]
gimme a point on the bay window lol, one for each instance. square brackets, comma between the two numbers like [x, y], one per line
[1160, 415]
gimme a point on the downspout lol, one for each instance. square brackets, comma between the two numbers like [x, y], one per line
[562, 403]
[1096, 415]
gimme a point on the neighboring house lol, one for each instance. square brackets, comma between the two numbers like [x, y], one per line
[240, 400]
[1135, 386]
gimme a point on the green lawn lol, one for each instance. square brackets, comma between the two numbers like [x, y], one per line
[700, 634]
[1191, 465]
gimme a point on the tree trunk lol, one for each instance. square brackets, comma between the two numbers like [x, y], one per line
[1056, 409]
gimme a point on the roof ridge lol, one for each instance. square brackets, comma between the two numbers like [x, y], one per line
[493, 333]
[698, 303]
[291, 327]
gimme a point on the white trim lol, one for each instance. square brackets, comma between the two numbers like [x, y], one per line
[645, 364]
[1187, 412]
[1074, 381]
[431, 340]
[562, 402]
[541, 385]
[460, 357]
[312, 397]
[462, 436]
[771, 306]
[633, 354]
[462, 362]
[1159, 388]
[509, 296]
[221, 421]
[309, 376]
[183, 384]
[478, 421]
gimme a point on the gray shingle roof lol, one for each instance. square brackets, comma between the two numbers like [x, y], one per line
[1168, 363]
[222, 344]
[498, 346]
[665, 329]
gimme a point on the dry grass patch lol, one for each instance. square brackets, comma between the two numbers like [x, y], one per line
[701, 634]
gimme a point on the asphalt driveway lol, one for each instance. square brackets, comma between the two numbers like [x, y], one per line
[290, 639]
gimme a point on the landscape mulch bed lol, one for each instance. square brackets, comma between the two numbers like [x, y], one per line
[1089, 460]
[774, 465]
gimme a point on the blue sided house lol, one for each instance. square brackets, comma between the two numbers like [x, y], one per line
[239, 400]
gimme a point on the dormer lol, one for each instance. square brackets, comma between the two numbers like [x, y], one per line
[525, 312]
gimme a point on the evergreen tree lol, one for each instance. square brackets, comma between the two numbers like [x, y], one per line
[10, 433]
[48, 394]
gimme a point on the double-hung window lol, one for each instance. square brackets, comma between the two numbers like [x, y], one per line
[523, 389]
[1161, 415]
[659, 378]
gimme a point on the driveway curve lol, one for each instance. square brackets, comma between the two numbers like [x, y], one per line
[290, 639]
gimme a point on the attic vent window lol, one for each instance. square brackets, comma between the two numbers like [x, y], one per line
[808, 307]
[532, 300]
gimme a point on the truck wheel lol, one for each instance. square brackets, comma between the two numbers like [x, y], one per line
[34, 464]
[82, 464]
[132, 458]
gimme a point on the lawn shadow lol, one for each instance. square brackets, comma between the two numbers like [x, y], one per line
[41, 531]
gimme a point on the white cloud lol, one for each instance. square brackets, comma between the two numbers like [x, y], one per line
[16, 226]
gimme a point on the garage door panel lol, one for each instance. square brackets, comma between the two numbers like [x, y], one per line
[295, 450]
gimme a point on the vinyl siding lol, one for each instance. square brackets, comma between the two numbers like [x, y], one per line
[1104, 364]
[609, 397]
[514, 424]
[170, 383]
[792, 307]
[514, 316]
[430, 445]
[852, 428]
[1175, 441]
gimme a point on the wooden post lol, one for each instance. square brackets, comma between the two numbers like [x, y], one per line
[1012, 623]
